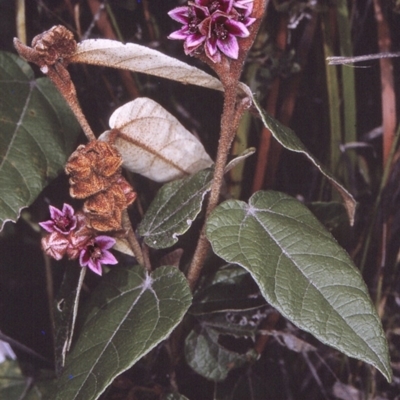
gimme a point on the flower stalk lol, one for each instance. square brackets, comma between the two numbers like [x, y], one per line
[229, 71]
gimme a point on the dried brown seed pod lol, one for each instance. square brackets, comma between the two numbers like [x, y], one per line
[54, 45]
[109, 223]
[92, 168]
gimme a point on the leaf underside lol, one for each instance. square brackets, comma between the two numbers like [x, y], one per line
[288, 139]
[129, 313]
[153, 143]
[38, 132]
[301, 271]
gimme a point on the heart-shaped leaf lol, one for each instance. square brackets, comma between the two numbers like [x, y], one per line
[111, 53]
[301, 271]
[153, 142]
[129, 313]
[37, 135]
[288, 139]
[174, 209]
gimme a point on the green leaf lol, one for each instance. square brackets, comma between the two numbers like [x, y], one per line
[174, 209]
[208, 358]
[38, 132]
[129, 313]
[14, 385]
[302, 272]
[288, 139]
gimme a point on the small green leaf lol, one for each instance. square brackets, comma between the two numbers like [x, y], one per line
[14, 385]
[208, 358]
[129, 313]
[174, 209]
[302, 272]
[38, 131]
[288, 139]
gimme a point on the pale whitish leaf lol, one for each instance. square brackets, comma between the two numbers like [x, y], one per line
[38, 132]
[302, 272]
[122, 245]
[129, 313]
[153, 142]
[174, 209]
[288, 139]
[134, 57]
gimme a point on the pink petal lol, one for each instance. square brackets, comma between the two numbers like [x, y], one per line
[67, 210]
[194, 41]
[108, 258]
[104, 242]
[84, 257]
[249, 21]
[237, 28]
[47, 225]
[95, 266]
[180, 14]
[215, 57]
[55, 212]
[229, 47]
[211, 46]
[181, 34]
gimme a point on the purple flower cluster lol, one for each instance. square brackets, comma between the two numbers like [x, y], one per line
[213, 26]
[70, 236]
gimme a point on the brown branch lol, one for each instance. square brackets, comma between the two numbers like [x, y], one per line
[130, 235]
[229, 72]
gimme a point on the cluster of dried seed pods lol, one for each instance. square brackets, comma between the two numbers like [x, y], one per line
[95, 175]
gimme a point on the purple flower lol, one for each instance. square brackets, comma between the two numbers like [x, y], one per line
[244, 9]
[222, 35]
[213, 26]
[190, 16]
[96, 253]
[61, 221]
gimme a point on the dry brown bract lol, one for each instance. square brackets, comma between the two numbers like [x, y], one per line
[95, 175]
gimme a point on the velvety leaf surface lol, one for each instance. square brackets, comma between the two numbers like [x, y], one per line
[129, 313]
[111, 53]
[38, 132]
[288, 139]
[301, 271]
[153, 143]
[174, 209]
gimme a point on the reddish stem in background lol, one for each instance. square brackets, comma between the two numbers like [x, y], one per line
[104, 25]
[268, 150]
[387, 82]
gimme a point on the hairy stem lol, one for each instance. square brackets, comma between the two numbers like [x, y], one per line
[130, 235]
[225, 141]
